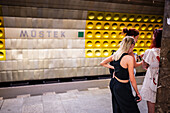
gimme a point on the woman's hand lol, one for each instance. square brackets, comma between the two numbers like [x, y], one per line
[140, 98]
[145, 65]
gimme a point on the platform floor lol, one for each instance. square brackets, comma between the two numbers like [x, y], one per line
[93, 100]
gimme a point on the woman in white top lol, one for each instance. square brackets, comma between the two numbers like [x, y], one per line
[151, 60]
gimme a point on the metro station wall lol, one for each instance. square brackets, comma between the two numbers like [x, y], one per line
[44, 43]
[104, 31]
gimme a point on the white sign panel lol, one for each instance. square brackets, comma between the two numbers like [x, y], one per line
[21, 33]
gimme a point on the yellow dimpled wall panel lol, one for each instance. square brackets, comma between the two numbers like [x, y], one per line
[2, 37]
[2, 44]
[2, 55]
[2, 33]
[104, 31]
[1, 21]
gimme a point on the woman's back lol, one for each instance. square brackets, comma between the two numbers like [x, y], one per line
[121, 68]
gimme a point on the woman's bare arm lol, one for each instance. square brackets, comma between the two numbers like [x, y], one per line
[106, 61]
[136, 64]
[131, 74]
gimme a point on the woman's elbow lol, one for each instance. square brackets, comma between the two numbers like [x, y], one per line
[103, 63]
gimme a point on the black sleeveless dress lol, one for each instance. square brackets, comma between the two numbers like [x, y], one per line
[123, 100]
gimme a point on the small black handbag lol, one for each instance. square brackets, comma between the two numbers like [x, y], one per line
[137, 98]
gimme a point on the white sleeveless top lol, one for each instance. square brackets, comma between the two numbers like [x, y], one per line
[148, 90]
[152, 57]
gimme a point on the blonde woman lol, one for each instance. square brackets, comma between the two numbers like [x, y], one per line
[123, 100]
[135, 34]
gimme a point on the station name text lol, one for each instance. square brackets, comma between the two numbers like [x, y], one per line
[42, 34]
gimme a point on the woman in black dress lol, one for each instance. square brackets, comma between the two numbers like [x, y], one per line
[123, 100]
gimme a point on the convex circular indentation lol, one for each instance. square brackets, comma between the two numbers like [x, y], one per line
[113, 43]
[141, 51]
[106, 35]
[142, 43]
[124, 18]
[100, 16]
[106, 26]
[156, 27]
[135, 51]
[114, 26]
[91, 16]
[146, 18]
[113, 34]
[142, 35]
[98, 35]
[139, 18]
[143, 27]
[159, 19]
[97, 44]
[105, 43]
[148, 43]
[116, 17]
[1, 44]
[0, 22]
[1, 33]
[152, 19]
[129, 26]
[150, 27]
[149, 35]
[98, 25]
[97, 52]
[132, 18]
[89, 34]
[122, 26]
[105, 52]
[89, 43]
[90, 25]
[89, 53]
[1, 55]
[108, 17]
[136, 26]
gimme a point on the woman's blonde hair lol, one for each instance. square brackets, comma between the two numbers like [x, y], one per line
[124, 47]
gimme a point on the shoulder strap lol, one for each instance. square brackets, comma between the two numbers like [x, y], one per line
[122, 56]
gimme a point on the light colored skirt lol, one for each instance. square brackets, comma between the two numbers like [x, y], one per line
[146, 92]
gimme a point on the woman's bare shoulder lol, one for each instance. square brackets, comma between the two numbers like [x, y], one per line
[128, 58]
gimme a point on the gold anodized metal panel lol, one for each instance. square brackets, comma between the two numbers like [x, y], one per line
[104, 31]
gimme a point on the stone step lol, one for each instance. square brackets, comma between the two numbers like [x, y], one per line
[73, 101]
[12, 92]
